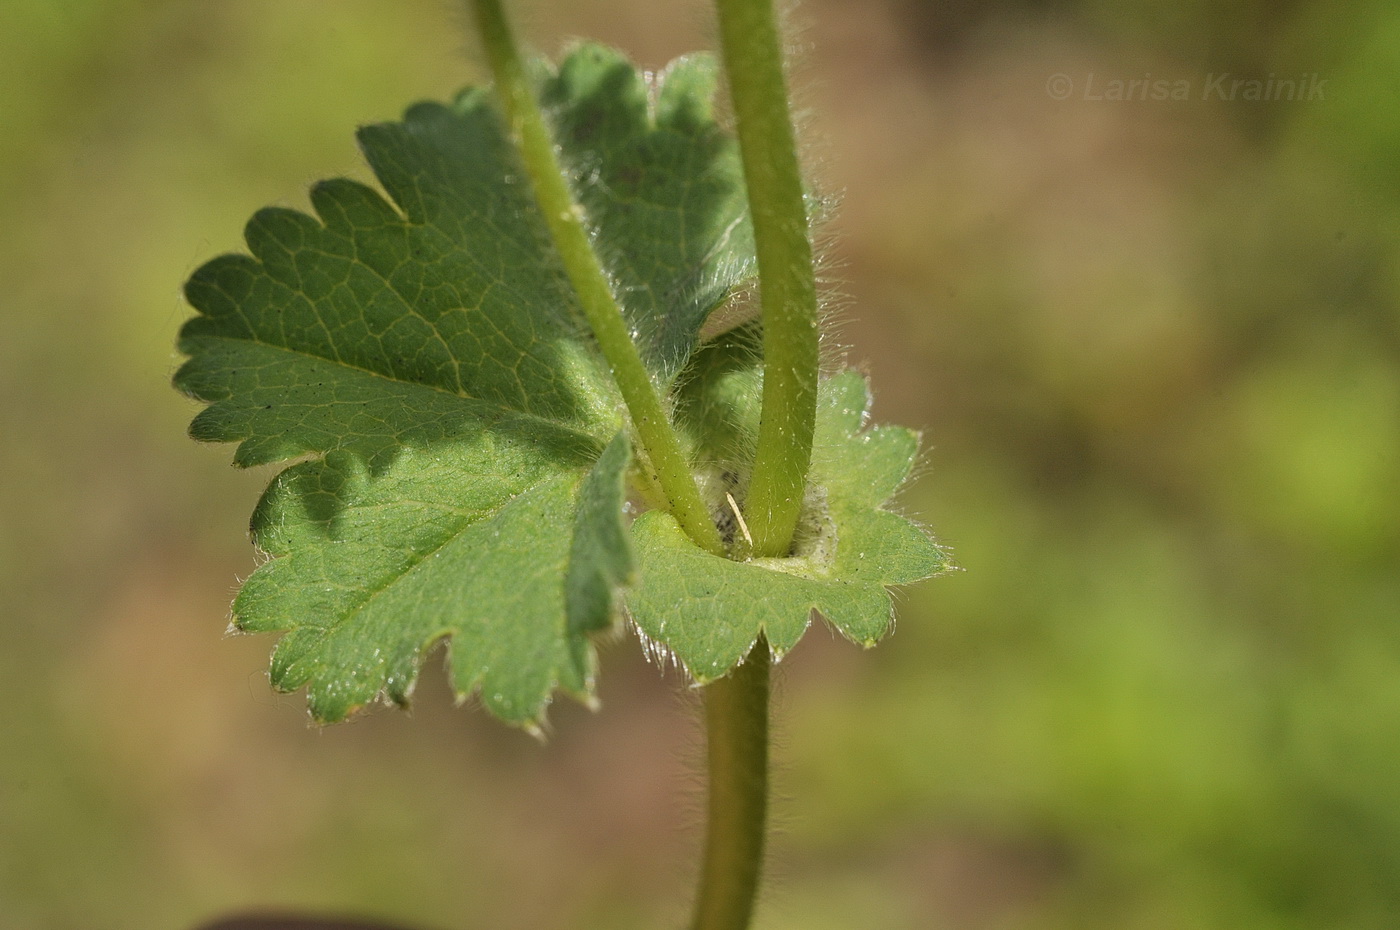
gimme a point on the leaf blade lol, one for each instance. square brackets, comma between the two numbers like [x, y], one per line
[466, 479]
[662, 187]
[708, 611]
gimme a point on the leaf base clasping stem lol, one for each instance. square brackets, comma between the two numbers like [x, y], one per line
[736, 706]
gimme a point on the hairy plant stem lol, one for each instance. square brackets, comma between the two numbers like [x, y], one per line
[736, 706]
[753, 61]
[566, 225]
[736, 732]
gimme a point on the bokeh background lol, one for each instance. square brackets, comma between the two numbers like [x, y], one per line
[1155, 350]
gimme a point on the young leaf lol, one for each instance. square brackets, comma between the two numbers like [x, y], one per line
[709, 611]
[466, 479]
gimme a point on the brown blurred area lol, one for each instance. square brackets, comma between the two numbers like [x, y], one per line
[1152, 343]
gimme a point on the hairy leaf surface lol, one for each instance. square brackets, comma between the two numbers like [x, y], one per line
[425, 350]
[652, 162]
[707, 611]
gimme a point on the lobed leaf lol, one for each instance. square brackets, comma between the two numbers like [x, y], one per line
[708, 611]
[475, 542]
[466, 474]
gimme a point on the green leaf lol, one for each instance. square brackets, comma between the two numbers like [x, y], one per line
[466, 479]
[707, 611]
[650, 162]
[481, 542]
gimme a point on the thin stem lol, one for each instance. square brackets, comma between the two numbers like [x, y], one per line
[787, 283]
[736, 707]
[736, 725]
[565, 220]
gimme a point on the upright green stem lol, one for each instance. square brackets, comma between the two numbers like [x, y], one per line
[736, 730]
[753, 60]
[736, 707]
[565, 221]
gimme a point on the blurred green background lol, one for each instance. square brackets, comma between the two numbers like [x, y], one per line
[1155, 350]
